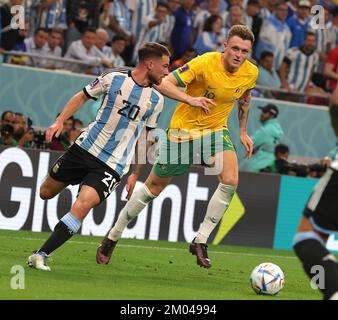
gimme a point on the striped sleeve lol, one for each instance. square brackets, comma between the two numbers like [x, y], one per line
[99, 86]
[153, 119]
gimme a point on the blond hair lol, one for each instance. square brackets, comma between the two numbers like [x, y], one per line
[242, 32]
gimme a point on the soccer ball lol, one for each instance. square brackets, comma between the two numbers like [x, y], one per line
[267, 278]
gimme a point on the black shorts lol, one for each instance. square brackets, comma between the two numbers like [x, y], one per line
[322, 207]
[77, 166]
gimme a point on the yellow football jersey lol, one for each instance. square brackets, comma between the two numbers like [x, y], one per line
[206, 76]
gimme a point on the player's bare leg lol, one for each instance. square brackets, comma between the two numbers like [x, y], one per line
[138, 201]
[218, 205]
[310, 247]
[66, 227]
[51, 187]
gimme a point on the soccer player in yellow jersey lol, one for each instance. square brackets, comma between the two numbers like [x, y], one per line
[224, 78]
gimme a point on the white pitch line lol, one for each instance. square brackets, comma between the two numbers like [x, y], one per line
[159, 248]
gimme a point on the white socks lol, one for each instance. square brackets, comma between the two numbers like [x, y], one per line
[217, 206]
[139, 199]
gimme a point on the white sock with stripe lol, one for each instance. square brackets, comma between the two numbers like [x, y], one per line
[218, 205]
[139, 199]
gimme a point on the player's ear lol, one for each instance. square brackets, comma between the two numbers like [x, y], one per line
[150, 64]
[225, 44]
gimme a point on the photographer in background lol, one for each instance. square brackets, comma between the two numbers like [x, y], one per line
[6, 135]
[265, 139]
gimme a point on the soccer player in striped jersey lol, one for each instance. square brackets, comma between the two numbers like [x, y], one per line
[103, 152]
[226, 78]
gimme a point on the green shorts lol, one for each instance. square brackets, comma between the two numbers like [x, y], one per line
[175, 158]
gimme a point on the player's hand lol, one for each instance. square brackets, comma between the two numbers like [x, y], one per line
[248, 145]
[54, 130]
[131, 182]
[202, 102]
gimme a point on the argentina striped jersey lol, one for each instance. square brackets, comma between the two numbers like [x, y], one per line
[300, 68]
[125, 110]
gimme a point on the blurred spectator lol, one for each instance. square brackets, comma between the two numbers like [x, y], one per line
[331, 69]
[334, 21]
[101, 40]
[275, 35]
[140, 11]
[211, 38]
[267, 8]
[324, 45]
[265, 139]
[279, 165]
[22, 135]
[154, 28]
[293, 6]
[299, 23]
[213, 8]
[8, 35]
[6, 135]
[117, 47]
[235, 16]
[77, 124]
[180, 37]
[267, 75]
[104, 14]
[50, 14]
[86, 51]
[298, 65]
[53, 46]
[80, 16]
[20, 46]
[37, 45]
[7, 117]
[120, 24]
[189, 54]
[252, 18]
[170, 20]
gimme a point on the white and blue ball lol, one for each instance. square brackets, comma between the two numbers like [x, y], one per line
[267, 278]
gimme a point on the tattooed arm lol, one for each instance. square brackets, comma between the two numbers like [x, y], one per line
[243, 114]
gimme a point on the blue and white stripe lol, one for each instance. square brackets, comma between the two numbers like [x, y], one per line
[141, 10]
[126, 109]
[119, 10]
[301, 68]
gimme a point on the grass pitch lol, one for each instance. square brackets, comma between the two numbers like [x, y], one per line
[142, 269]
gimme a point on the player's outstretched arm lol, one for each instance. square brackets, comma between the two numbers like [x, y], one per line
[170, 88]
[73, 105]
[243, 113]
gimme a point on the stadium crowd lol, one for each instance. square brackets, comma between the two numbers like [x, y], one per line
[295, 49]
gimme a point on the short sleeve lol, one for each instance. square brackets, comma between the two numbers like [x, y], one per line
[153, 119]
[99, 86]
[252, 84]
[332, 56]
[190, 71]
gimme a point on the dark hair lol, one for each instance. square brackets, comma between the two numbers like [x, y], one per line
[310, 33]
[152, 49]
[56, 30]
[40, 29]
[282, 148]
[3, 115]
[89, 29]
[19, 114]
[163, 4]
[266, 54]
[190, 49]
[210, 21]
[118, 38]
[242, 32]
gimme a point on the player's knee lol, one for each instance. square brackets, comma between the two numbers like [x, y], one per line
[46, 193]
[229, 180]
[154, 187]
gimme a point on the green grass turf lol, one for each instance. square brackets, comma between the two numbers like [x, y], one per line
[142, 269]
